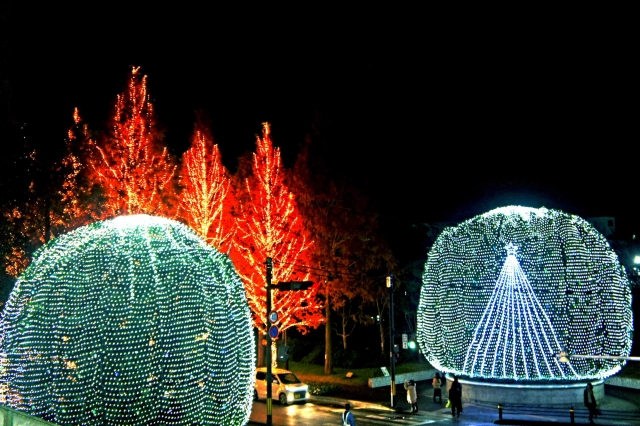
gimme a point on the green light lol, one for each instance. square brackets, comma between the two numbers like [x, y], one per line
[132, 321]
[412, 344]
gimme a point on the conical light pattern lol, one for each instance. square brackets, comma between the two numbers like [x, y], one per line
[493, 314]
[514, 335]
[130, 321]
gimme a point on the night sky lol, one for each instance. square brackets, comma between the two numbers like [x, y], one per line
[436, 119]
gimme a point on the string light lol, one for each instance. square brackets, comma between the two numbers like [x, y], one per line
[206, 200]
[269, 225]
[131, 321]
[506, 291]
[134, 169]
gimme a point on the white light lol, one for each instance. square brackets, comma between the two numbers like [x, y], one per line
[503, 314]
[118, 322]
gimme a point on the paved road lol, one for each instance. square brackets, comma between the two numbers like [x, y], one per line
[620, 407]
[323, 413]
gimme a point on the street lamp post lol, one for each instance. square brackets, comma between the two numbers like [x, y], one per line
[392, 355]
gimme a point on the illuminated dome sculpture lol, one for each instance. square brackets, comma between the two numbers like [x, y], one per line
[130, 321]
[506, 291]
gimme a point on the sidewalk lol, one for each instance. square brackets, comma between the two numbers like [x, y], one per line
[620, 407]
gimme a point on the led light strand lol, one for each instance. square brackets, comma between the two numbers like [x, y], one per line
[481, 315]
[131, 321]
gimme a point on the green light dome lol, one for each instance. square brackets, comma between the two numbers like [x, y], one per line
[506, 291]
[130, 321]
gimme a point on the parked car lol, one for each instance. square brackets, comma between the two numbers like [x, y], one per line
[287, 388]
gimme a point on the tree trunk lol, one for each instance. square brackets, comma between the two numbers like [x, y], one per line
[260, 350]
[344, 333]
[382, 338]
[328, 348]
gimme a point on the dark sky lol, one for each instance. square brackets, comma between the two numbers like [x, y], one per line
[437, 118]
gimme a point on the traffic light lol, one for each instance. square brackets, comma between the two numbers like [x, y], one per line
[283, 356]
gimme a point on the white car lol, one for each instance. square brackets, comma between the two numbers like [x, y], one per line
[287, 388]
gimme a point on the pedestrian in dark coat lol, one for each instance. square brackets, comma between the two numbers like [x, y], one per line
[455, 396]
[590, 402]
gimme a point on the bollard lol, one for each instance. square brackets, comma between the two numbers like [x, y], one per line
[499, 411]
[572, 414]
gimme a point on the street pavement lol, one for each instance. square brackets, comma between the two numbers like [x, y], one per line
[619, 407]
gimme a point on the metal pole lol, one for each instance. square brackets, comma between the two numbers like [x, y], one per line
[627, 358]
[572, 415]
[391, 335]
[269, 264]
[499, 411]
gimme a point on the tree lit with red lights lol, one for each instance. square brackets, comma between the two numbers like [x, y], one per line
[269, 225]
[134, 170]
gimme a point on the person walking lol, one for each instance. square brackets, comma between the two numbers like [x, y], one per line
[412, 395]
[590, 402]
[347, 416]
[455, 396]
[437, 387]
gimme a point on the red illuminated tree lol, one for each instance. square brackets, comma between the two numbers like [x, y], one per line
[77, 199]
[133, 168]
[206, 200]
[269, 225]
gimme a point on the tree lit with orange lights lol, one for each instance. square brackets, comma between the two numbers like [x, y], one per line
[134, 170]
[269, 225]
[58, 199]
[78, 199]
[206, 199]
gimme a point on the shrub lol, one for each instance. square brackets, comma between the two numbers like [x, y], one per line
[324, 388]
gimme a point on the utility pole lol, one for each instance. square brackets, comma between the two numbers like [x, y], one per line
[269, 264]
[392, 354]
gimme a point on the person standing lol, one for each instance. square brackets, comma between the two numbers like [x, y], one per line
[590, 402]
[437, 387]
[347, 416]
[455, 396]
[412, 395]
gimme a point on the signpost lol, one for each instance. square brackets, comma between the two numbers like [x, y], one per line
[273, 331]
[272, 320]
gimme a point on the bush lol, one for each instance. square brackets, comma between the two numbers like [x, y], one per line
[324, 388]
[314, 356]
[346, 358]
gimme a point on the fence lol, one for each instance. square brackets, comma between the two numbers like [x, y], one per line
[525, 415]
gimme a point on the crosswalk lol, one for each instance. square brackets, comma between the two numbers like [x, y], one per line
[400, 419]
[374, 419]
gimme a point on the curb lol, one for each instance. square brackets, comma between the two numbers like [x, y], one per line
[340, 402]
